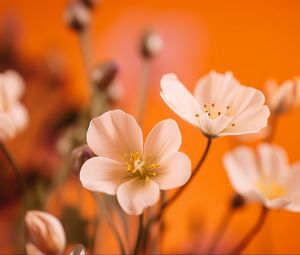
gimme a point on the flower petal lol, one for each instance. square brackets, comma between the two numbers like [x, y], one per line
[213, 127]
[137, 194]
[163, 141]
[20, 116]
[173, 173]
[247, 122]
[292, 184]
[179, 99]
[241, 168]
[103, 175]
[7, 126]
[114, 134]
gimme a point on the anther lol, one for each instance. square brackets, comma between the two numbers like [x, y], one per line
[213, 105]
[197, 115]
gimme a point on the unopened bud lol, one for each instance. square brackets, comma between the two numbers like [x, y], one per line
[46, 233]
[151, 44]
[103, 75]
[80, 155]
[78, 250]
[237, 201]
[77, 16]
[90, 3]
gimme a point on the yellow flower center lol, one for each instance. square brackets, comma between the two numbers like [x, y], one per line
[271, 190]
[140, 167]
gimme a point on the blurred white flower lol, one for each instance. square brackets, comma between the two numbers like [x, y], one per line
[127, 168]
[46, 234]
[264, 176]
[13, 115]
[284, 97]
[221, 105]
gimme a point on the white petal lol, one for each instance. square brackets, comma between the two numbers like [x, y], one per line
[7, 126]
[20, 116]
[277, 203]
[103, 175]
[13, 85]
[135, 195]
[215, 88]
[292, 184]
[179, 99]
[248, 122]
[163, 141]
[213, 127]
[114, 134]
[273, 162]
[173, 173]
[241, 168]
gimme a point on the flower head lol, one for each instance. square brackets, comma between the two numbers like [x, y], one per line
[46, 233]
[13, 115]
[127, 168]
[220, 106]
[284, 97]
[264, 176]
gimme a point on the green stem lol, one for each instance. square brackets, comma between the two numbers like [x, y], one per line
[140, 235]
[252, 233]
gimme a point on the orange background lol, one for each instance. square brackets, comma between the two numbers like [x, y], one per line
[255, 39]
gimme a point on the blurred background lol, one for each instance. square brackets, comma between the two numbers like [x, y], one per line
[256, 40]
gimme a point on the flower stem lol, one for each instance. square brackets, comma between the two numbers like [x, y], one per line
[221, 229]
[140, 235]
[14, 167]
[252, 233]
[144, 88]
[170, 201]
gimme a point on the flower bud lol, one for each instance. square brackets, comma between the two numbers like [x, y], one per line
[81, 154]
[103, 75]
[151, 44]
[46, 233]
[78, 250]
[77, 16]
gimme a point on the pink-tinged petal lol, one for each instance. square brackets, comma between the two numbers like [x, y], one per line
[293, 188]
[249, 121]
[163, 141]
[215, 88]
[240, 165]
[137, 194]
[179, 99]
[273, 162]
[20, 116]
[213, 127]
[114, 134]
[174, 172]
[277, 203]
[7, 126]
[31, 249]
[13, 85]
[103, 175]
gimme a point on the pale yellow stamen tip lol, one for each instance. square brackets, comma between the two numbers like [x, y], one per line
[271, 190]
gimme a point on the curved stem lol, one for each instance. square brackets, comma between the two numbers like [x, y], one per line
[221, 229]
[14, 167]
[252, 233]
[170, 201]
[139, 237]
[107, 214]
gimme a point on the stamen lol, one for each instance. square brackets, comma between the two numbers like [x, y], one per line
[233, 124]
[197, 115]
[213, 105]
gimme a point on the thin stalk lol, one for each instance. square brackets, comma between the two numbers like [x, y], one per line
[252, 233]
[221, 229]
[144, 89]
[140, 235]
[102, 206]
[170, 201]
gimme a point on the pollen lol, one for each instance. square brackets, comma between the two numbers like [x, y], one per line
[271, 190]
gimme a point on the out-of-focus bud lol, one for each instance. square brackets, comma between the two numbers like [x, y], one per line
[237, 201]
[77, 16]
[284, 97]
[78, 250]
[80, 155]
[151, 44]
[103, 75]
[90, 3]
[46, 234]
[115, 92]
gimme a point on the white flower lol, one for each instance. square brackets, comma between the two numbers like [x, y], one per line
[127, 168]
[46, 233]
[220, 106]
[265, 176]
[284, 97]
[13, 115]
